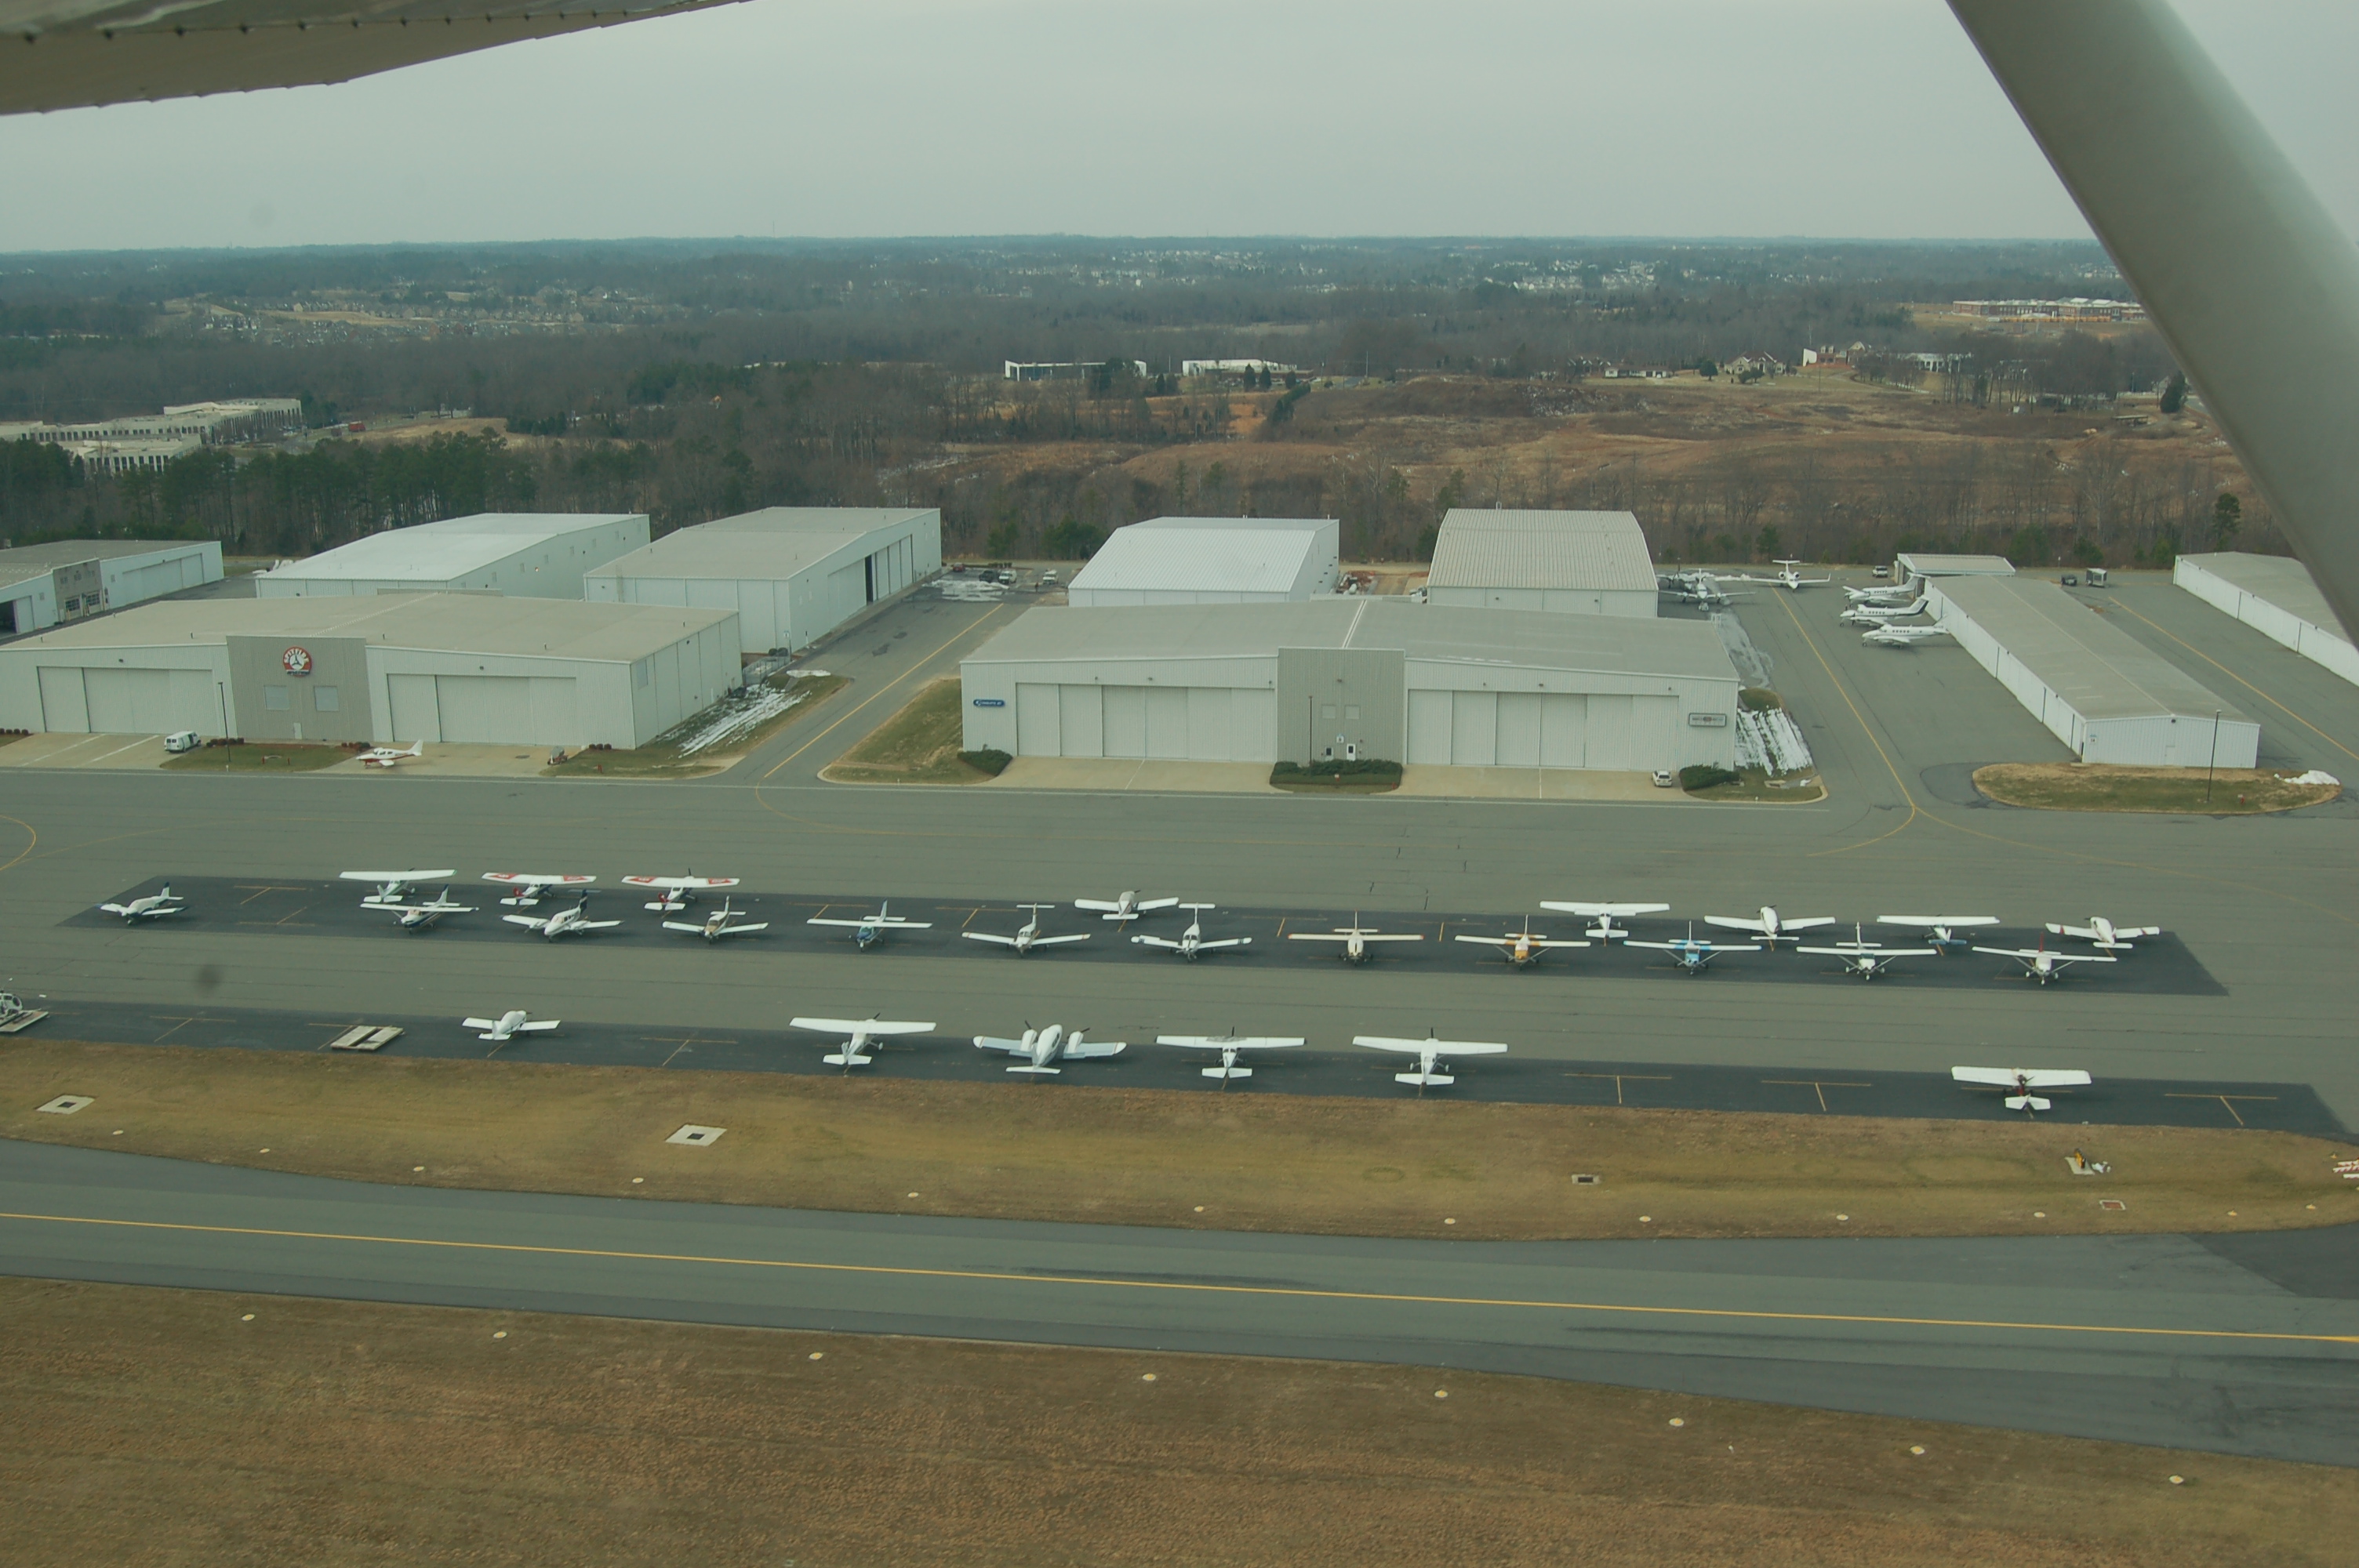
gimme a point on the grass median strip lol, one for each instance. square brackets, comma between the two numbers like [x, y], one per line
[918, 745]
[273, 757]
[2107, 786]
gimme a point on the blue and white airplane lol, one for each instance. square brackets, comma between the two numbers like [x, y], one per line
[1693, 952]
[871, 929]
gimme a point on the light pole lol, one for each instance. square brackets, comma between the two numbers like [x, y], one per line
[2214, 762]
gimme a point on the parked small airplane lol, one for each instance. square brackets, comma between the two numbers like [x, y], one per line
[386, 756]
[1771, 927]
[1901, 636]
[1878, 614]
[1789, 576]
[421, 917]
[1865, 958]
[2021, 1081]
[531, 885]
[1355, 937]
[1521, 948]
[715, 926]
[1605, 915]
[870, 929]
[155, 907]
[1693, 955]
[1125, 907]
[1432, 1072]
[2104, 933]
[509, 1024]
[1028, 936]
[1890, 593]
[676, 894]
[564, 923]
[2039, 964]
[1228, 1045]
[1697, 587]
[860, 1035]
[1192, 944]
[392, 887]
[1043, 1048]
[1944, 928]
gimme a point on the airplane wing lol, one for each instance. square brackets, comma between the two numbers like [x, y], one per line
[860, 1026]
[1057, 941]
[590, 925]
[1872, 951]
[1807, 923]
[526, 920]
[2086, 932]
[1439, 1047]
[1152, 903]
[394, 876]
[816, 920]
[545, 1023]
[992, 936]
[2006, 1077]
[1737, 923]
[1223, 942]
[1302, 936]
[1488, 941]
[681, 884]
[992, 1043]
[1225, 1042]
[532, 880]
[1398, 936]
[1078, 1049]
[1105, 904]
[673, 926]
[1160, 942]
[1618, 911]
[741, 930]
[479, 1023]
[2122, 931]
[1928, 921]
[1658, 946]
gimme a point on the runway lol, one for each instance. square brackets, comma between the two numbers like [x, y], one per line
[2146, 1339]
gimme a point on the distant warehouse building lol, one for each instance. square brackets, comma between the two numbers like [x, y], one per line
[1397, 680]
[2100, 690]
[2276, 595]
[792, 573]
[524, 555]
[1212, 560]
[381, 668]
[41, 585]
[1911, 565]
[1581, 563]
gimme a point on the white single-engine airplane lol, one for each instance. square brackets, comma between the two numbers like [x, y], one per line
[392, 887]
[676, 894]
[1044, 1048]
[1789, 576]
[2102, 932]
[1901, 636]
[1694, 955]
[1354, 938]
[155, 907]
[860, 1036]
[1521, 948]
[531, 885]
[1432, 1071]
[870, 929]
[1768, 924]
[1865, 958]
[1605, 915]
[387, 756]
[1228, 1045]
[1192, 944]
[564, 923]
[1127, 907]
[1028, 936]
[2039, 964]
[716, 925]
[421, 917]
[509, 1024]
[2020, 1081]
[1943, 929]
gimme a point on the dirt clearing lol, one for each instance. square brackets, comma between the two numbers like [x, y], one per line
[2105, 786]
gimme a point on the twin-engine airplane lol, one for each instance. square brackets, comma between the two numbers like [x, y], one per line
[1521, 948]
[2020, 1081]
[392, 887]
[1865, 958]
[1126, 906]
[870, 929]
[2104, 933]
[1878, 614]
[860, 1036]
[1432, 1071]
[1354, 938]
[2039, 964]
[1890, 593]
[421, 917]
[1605, 915]
[715, 926]
[1192, 944]
[1694, 955]
[1769, 926]
[387, 756]
[1028, 936]
[564, 923]
[676, 894]
[1044, 1048]
[1901, 636]
[1228, 1045]
[1942, 929]
[531, 885]
[155, 907]
[509, 1024]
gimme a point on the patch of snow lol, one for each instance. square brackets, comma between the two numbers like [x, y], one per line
[766, 703]
[2312, 778]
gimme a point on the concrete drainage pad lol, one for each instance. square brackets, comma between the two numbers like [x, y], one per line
[695, 1135]
[66, 1105]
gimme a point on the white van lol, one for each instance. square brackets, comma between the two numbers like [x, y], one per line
[181, 740]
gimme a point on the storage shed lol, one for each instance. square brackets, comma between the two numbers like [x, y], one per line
[524, 555]
[1581, 563]
[1212, 560]
[2097, 688]
[792, 573]
[41, 585]
[2275, 595]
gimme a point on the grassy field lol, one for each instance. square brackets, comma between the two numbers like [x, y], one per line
[265, 757]
[1233, 1161]
[918, 745]
[2103, 786]
[1753, 784]
[661, 758]
[162, 1427]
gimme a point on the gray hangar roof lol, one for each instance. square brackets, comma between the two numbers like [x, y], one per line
[438, 551]
[1541, 549]
[2279, 579]
[775, 542]
[1926, 564]
[39, 560]
[1209, 555]
[2100, 669]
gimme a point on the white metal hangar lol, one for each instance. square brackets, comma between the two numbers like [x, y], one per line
[1391, 678]
[1912, 565]
[792, 573]
[525, 555]
[2100, 690]
[1582, 563]
[2272, 594]
[41, 585]
[381, 668]
[1212, 560]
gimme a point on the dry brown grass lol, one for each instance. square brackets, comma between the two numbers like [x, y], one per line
[918, 745]
[1065, 1151]
[2107, 786]
[156, 1427]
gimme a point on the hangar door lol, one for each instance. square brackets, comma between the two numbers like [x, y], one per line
[1540, 730]
[541, 711]
[1205, 724]
[129, 701]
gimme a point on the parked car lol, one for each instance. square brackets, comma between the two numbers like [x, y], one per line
[1884, 571]
[2072, 581]
[1663, 780]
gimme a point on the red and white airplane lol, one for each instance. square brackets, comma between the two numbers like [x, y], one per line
[386, 756]
[1521, 948]
[392, 887]
[722, 922]
[676, 894]
[531, 885]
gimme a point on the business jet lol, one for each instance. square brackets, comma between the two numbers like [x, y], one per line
[1028, 936]
[1695, 955]
[155, 907]
[392, 887]
[2106, 934]
[1192, 944]
[2039, 964]
[1868, 960]
[564, 923]
[1901, 636]
[1228, 1045]
[676, 894]
[1521, 948]
[1769, 926]
[1432, 1071]
[1354, 938]
[1789, 576]
[715, 926]
[870, 929]
[1890, 593]
[389, 756]
[531, 885]
[509, 1024]
[421, 917]
[1127, 907]
[1605, 915]
[1943, 928]
[2020, 1081]
[861, 1035]
[1044, 1048]
[1877, 615]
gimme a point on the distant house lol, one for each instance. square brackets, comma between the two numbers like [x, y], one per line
[1637, 372]
[1753, 364]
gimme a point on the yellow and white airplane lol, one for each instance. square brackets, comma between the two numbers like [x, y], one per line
[1521, 948]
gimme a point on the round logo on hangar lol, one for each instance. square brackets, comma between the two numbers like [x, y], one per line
[296, 660]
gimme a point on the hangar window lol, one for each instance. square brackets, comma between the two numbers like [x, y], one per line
[323, 698]
[274, 697]
[1351, 713]
[1326, 711]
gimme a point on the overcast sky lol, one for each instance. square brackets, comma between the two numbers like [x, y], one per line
[1868, 118]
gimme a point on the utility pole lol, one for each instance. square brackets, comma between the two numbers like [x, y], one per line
[2209, 767]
